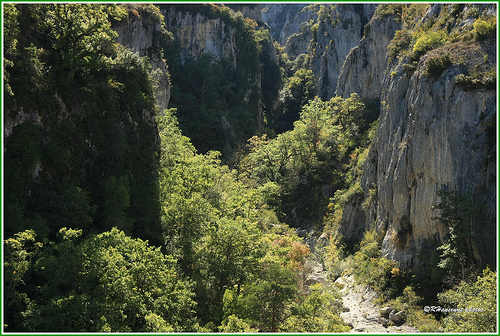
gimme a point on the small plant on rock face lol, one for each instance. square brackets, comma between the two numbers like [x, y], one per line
[484, 29]
[437, 65]
[428, 41]
[486, 80]
[402, 40]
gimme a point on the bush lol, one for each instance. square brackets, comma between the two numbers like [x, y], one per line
[401, 41]
[428, 41]
[484, 29]
[436, 65]
[485, 80]
[385, 10]
[369, 268]
[409, 68]
[480, 295]
[411, 304]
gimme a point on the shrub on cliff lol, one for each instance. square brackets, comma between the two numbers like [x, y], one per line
[477, 303]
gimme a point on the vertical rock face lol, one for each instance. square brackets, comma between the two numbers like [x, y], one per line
[326, 32]
[142, 33]
[363, 69]
[283, 20]
[199, 34]
[433, 134]
[250, 11]
[337, 35]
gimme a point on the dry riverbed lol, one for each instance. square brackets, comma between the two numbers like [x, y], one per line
[361, 312]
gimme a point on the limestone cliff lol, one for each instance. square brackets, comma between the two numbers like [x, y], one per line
[142, 33]
[200, 34]
[325, 32]
[338, 33]
[363, 69]
[237, 81]
[251, 11]
[283, 19]
[434, 133]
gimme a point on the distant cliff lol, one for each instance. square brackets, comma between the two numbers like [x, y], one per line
[235, 80]
[142, 32]
[326, 33]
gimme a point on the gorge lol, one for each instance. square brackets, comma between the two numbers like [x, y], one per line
[236, 147]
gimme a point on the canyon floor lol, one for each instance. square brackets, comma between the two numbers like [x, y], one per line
[359, 304]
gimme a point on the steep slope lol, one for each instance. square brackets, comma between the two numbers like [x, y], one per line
[143, 31]
[437, 132]
[363, 70]
[282, 18]
[224, 73]
[326, 33]
[80, 139]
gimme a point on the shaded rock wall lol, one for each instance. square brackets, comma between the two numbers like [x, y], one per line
[142, 34]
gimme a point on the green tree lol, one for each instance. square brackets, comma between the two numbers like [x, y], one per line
[459, 213]
[20, 253]
[229, 254]
[318, 312]
[235, 324]
[11, 31]
[478, 304]
[108, 282]
[265, 301]
[81, 33]
[297, 93]
[117, 203]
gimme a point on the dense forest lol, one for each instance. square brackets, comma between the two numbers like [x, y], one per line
[218, 213]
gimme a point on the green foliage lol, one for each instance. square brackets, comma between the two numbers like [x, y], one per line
[85, 118]
[417, 37]
[314, 153]
[10, 14]
[384, 10]
[235, 324]
[217, 227]
[459, 213]
[427, 41]
[371, 269]
[401, 41]
[82, 34]
[318, 312]
[19, 254]
[484, 29]
[411, 304]
[484, 80]
[108, 282]
[264, 302]
[436, 65]
[218, 103]
[298, 91]
[117, 204]
[476, 303]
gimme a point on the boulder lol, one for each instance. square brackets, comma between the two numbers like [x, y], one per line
[386, 311]
[397, 318]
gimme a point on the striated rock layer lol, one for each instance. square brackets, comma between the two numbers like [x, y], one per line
[142, 34]
[363, 70]
[199, 34]
[433, 134]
